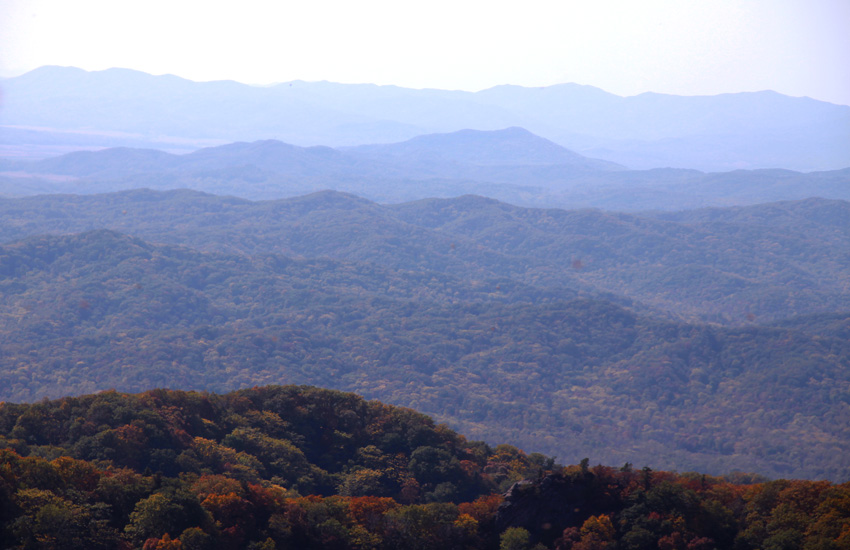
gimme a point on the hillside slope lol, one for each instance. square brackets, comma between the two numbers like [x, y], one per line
[759, 263]
[301, 467]
[501, 360]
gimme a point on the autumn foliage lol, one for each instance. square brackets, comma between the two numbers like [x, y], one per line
[300, 467]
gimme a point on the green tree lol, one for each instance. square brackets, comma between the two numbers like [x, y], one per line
[163, 513]
[515, 538]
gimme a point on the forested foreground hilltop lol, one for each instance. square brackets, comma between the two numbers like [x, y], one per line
[300, 467]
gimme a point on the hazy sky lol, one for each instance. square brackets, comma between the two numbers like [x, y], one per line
[685, 47]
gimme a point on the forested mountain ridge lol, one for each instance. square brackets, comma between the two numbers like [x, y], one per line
[758, 263]
[656, 283]
[502, 360]
[301, 467]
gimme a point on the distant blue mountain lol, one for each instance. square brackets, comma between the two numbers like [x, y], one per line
[511, 165]
[58, 105]
[508, 147]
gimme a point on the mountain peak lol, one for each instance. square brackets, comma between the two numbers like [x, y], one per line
[510, 146]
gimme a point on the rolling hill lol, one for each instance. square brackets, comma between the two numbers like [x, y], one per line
[302, 467]
[568, 375]
[734, 266]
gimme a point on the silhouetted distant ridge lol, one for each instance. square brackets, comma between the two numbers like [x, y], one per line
[710, 133]
[510, 146]
[511, 165]
[108, 162]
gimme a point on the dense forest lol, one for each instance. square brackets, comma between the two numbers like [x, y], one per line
[313, 315]
[554, 370]
[732, 266]
[300, 467]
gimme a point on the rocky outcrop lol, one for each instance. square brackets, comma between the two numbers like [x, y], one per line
[548, 506]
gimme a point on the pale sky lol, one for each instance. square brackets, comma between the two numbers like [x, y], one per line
[687, 47]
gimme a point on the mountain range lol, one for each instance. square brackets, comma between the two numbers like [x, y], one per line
[652, 279]
[575, 333]
[768, 261]
[53, 110]
[512, 165]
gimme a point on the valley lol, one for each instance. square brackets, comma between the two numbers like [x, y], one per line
[409, 276]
